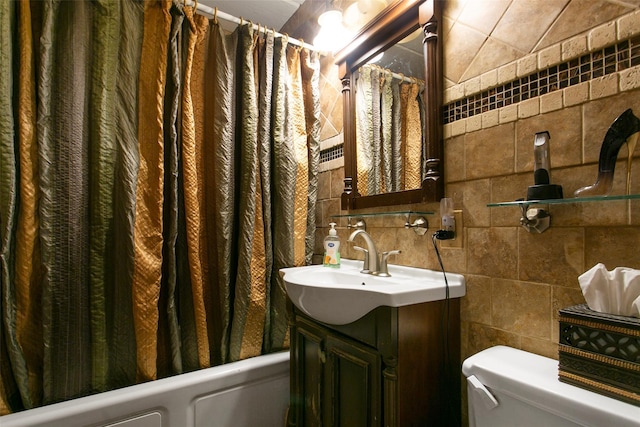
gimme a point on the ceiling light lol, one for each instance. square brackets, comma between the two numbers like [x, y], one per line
[333, 35]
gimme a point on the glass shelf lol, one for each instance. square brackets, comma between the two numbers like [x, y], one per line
[565, 201]
[381, 214]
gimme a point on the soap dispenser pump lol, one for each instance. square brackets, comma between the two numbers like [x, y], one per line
[542, 188]
[332, 248]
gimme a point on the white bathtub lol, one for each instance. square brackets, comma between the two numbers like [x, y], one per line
[249, 393]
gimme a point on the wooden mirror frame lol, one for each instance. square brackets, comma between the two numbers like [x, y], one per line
[396, 22]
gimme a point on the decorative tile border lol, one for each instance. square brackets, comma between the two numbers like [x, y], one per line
[591, 66]
[332, 153]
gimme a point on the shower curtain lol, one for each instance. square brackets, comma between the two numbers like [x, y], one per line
[389, 140]
[147, 166]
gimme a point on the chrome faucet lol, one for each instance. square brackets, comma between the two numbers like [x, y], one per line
[371, 263]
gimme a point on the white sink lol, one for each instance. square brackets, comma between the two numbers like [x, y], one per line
[338, 296]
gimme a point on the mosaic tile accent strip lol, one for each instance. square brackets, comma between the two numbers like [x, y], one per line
[609, 60]
[332, 153]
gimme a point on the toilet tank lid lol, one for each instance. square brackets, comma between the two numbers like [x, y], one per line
[533, 379]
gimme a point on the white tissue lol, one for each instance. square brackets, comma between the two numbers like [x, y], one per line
[614, 292]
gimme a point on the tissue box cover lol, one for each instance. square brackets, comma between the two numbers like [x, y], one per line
[600, 352]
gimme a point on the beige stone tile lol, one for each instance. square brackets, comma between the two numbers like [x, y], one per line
[509, 114]
[508, 189]
[574, 47]
[490, 119]
[474, 123]
[630, 79]
[612, 213]
[453, 258]
[330, 207]
[549, 56]
[603, 87]
[546, 348]
[507, 72]
[565, 296]
[576, 95]
[554, 257]
[324, 185]
[551, 101]
[454, 159]
[527, 65]
[334, 117]
[327, 129]
[612, 246]
[629, 25]
[337, 182]
[477, 15]
[573, 178]
[490, 56]
[522, 308]
[578, 17]
[490, 152]
[453, 93]
[493, 252]
[330, 95]
[459, 127]
[471, 85]
[475, 306]
[482, 337]
[537, 24]
[462, 47]
[529, 108]
[417, 251]
[453, 8]
[446, 131]
[472, 197]
[602, 36]
[489, 79]
[565, 129]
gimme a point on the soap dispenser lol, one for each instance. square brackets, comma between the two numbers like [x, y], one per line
[332, 248]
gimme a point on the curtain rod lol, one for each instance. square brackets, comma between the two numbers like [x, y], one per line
[230, 18]
[401, 77]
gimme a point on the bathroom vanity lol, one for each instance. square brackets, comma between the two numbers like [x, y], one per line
[373, 351]
[389, 368]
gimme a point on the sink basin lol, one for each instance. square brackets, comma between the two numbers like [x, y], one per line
[338, 296]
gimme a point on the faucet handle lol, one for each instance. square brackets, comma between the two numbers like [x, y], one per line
[365, 264]
[384, 270]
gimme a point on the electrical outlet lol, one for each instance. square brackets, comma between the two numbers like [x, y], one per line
[457, 241]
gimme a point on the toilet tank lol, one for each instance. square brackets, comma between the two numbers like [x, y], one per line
[513, 388]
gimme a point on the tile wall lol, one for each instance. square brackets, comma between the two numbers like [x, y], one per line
[516, 281]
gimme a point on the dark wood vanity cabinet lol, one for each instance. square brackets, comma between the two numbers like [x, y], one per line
[389, 368]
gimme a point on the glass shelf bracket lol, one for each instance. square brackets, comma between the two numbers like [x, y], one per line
[538, 220]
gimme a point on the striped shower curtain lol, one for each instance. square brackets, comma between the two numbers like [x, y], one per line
[147, 163]
[389, 139]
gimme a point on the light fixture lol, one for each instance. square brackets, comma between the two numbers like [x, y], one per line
[333, 35]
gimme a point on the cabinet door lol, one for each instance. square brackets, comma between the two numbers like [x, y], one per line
[307, 374]
[352, 384]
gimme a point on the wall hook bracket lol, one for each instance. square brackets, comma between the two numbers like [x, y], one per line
[534, 220]
[420, 225]
[359, 225]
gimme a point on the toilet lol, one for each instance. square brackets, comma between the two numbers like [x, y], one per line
[513, 388]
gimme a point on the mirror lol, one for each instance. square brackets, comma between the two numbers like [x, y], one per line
[389, 118]
[367, 179]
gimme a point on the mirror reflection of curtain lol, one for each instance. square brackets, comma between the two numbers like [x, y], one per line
[147, 163]
[389, 140]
